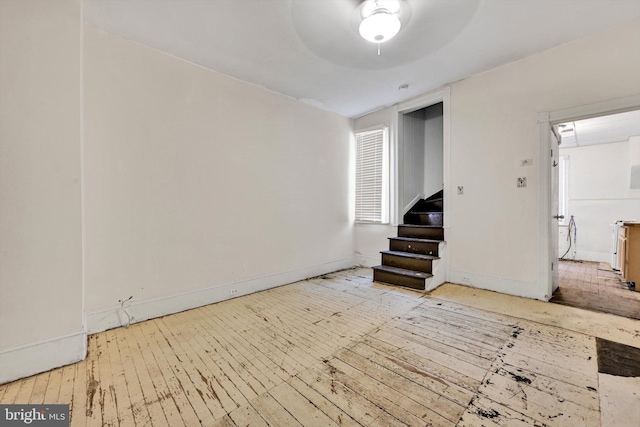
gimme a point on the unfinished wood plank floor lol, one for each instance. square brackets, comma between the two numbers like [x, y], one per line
[336, 350]
[595, 286]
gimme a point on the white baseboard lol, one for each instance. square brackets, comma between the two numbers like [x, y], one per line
[590, 256]
[503, 285]
[113, 317]
[29, 359]
[367, 261]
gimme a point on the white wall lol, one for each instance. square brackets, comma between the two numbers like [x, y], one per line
[634, 157]
[494, 241]
[198, 183]
[40, 216]
[413, 148]
[599, 194]
[370, 239]
[433, 152]
[495, 233]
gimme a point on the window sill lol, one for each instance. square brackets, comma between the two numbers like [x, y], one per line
[370, 223]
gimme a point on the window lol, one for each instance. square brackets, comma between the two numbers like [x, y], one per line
[563, 189]
[372, 176]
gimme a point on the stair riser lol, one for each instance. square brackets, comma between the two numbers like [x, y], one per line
[424, 248]
[429, 206]
[396, 279]
[423, 265]
[434, 218]
[421, 233]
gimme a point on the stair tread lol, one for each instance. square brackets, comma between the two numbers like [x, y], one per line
[416, 239]
[410, 255]
[403, 271]
[424, 212]
[420, 226]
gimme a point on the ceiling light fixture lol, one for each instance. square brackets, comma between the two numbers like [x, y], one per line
[380, 20]
[564, 128]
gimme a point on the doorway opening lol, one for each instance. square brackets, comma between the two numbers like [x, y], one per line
[420, 161]
[421, 168]
[594, 188]
[423, 149]
[595, 286]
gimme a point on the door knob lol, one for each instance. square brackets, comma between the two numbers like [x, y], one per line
[558, 216]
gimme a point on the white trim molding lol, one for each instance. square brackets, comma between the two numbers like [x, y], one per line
[434, 97]
[504, 285]
[395, 166]
[589, 256]
[114, 317]
[24, 360]
[545, 120]
[367, 261]
[613, 106]
[545, 281]
[424, 100]
[439, 95]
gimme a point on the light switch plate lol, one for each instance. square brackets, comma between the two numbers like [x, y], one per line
[522, 182]
[460, 189]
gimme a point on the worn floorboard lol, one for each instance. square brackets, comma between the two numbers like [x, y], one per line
[595, 286]
[339, 350]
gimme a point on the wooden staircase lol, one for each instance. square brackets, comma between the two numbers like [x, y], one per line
[410, 258]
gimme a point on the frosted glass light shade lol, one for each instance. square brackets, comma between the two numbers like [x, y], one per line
[379, 27]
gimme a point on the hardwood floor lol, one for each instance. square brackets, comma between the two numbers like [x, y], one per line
[339, 350]
[595, 286]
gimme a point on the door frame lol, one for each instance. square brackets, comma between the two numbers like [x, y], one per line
[545, 121]
[441, 95]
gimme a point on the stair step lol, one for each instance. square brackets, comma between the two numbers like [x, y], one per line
[400, 276]
[410, 255]
[421, 231]
[416, 240]
[429, 205]
[408, 261]
[413, 245]
[403, 272]
[424, 218]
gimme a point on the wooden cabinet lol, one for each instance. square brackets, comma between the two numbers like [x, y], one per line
[629, 252]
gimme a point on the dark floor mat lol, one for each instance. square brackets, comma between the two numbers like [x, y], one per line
[618, 359]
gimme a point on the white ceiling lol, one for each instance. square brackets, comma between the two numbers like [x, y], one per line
[600, 130]
[311, 50]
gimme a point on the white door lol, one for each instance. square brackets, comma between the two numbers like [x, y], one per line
[555, 177]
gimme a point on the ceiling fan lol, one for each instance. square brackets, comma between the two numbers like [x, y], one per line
[380, 20]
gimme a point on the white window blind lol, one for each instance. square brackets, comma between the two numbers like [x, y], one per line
[563, 184]
[370, 179]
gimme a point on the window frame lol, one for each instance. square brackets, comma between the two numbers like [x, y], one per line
[384, 181]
